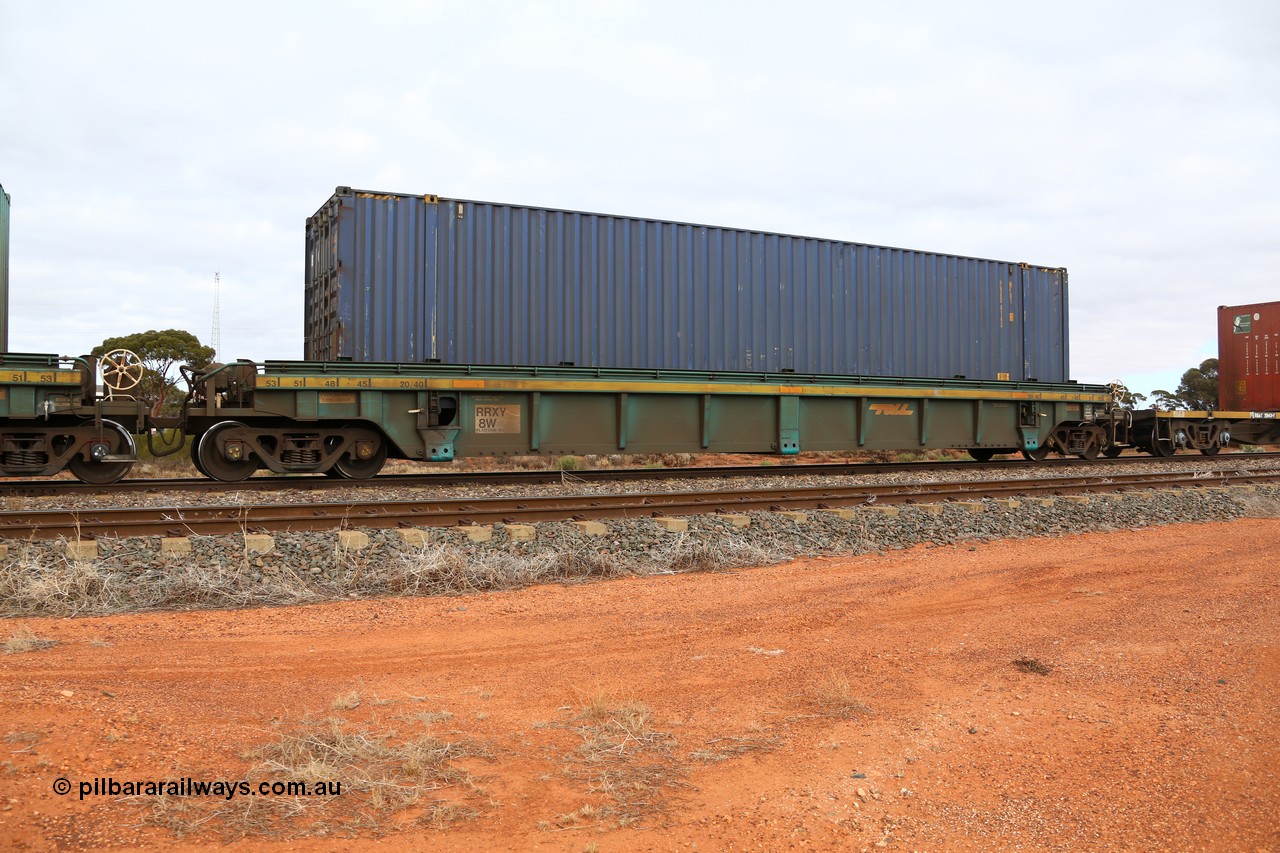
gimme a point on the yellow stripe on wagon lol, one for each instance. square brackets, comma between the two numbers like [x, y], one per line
[444, 383]
[1221, 416]
[344, 383]
[40, 377]
[603, 386]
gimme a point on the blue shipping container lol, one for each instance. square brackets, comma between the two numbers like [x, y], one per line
[407, 278]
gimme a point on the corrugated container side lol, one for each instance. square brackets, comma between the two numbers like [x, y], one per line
[409, 278]
[1249, 357]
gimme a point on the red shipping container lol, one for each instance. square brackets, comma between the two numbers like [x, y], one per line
[1249, 357]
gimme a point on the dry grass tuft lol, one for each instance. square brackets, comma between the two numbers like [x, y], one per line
[585, 814]
[1260, 505]
[26, 641]
[1033, 665]
[683, 554]
[623, 758]
[395, 772]
[22, 737]
[442, 570]
[835, 697]
[428, 718]
[444, 815]
[59, 587]
[346, 702]
[726, 748]
[381, 775]
[33, 583]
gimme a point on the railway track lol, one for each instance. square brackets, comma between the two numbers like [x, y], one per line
[278, 517]
[310, 482]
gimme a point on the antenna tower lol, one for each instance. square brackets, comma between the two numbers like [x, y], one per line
[215, 339]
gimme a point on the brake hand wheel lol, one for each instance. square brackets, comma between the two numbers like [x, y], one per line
[122, 369]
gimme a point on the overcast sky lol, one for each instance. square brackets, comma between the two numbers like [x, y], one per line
[148, 145]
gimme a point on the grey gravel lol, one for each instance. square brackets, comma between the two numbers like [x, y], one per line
[36, 578]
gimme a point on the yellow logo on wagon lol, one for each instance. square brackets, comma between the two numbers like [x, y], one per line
[892, 409]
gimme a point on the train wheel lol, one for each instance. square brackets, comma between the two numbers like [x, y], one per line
[362, 469]
[1112, 451]
[213, 463]
[1162, 449]
[195, 455]
[981, 454]
[1038, 455]
[102, 473]
[1210, 451]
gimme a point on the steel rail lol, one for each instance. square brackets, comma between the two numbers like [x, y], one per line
[306, 482]
[210, 520]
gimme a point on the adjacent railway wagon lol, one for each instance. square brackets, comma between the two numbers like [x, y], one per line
[1248, 390]
[392, 277]
[52, 418]
[1165, 433]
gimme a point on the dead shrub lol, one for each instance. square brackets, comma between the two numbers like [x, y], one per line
[1038, 667]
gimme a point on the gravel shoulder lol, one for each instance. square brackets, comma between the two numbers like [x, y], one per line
[1107, 690]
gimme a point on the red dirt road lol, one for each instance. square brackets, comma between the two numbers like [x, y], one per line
[832, 704]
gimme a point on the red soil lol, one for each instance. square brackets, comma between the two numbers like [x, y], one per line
[1155, 727]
